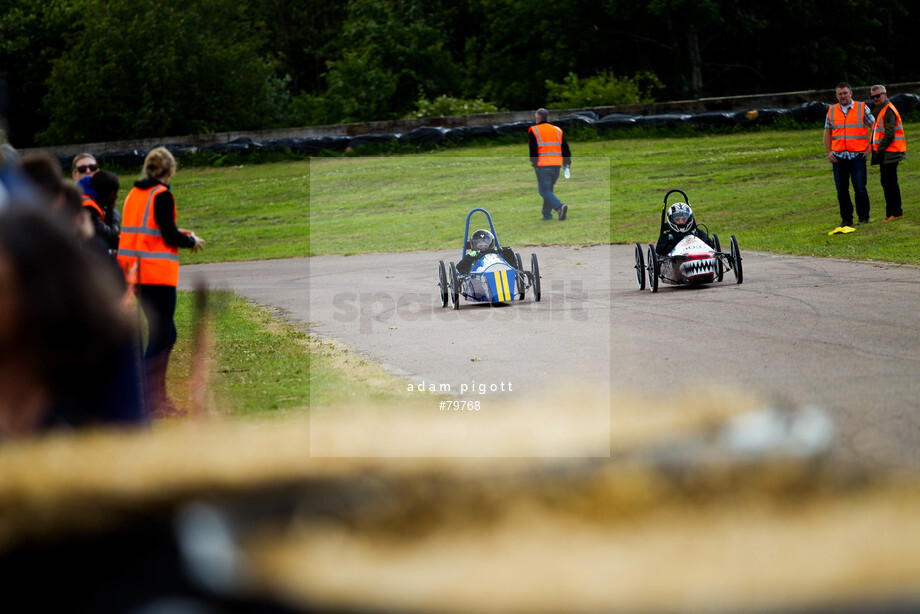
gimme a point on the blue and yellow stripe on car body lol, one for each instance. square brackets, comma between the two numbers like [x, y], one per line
[501, 285]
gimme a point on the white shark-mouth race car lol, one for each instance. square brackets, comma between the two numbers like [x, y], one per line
[691, 262]
[494, 277]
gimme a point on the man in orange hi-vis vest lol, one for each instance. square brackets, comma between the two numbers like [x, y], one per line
[889, 147]
[847, 146]
[549, 152]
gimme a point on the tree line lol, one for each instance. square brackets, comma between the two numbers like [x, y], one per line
[94, 70]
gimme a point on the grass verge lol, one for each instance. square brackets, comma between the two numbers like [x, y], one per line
[261, 365]
[258, 364]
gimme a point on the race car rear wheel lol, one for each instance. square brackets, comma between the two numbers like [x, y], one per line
[519, 276]
[442, 282]
[736, 259]
[654, 269]
[720, 269]
[535, 272]
[454, 287]
[640, 267]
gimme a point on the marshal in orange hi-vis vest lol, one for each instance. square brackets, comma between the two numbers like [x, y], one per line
[849, 131]
[142, 252]
[899, 144]
[549, 144]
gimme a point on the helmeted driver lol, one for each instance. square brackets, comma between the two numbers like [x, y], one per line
[481, 242]
[680, 223]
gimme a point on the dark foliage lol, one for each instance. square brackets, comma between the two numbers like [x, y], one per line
[94, 70]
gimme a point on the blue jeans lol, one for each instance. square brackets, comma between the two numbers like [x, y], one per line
[546, 179]
[851, 170]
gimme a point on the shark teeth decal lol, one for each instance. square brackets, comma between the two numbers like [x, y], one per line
[697, 267]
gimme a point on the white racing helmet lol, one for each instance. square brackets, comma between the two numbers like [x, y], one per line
[680, 217]
[482, 240]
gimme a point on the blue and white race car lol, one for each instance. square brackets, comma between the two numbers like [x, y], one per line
[487, 272]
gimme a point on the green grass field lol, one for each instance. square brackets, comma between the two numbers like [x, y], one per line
[774, 190]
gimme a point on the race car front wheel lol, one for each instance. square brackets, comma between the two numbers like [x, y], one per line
[736, 259]
[442, 283]
[519, 276]
[640, 267]
[454, 287]
[535, 272]
[720, 269]
[654, 269]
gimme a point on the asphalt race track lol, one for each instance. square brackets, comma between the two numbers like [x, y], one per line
[839, 335]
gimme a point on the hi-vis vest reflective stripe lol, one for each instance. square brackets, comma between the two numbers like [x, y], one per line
[849, 132]
[878, 131]
[549, 144]
[141, 243]
[89, 202]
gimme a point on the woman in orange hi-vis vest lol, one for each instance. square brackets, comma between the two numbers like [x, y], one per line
[548, 153]
[148, 251]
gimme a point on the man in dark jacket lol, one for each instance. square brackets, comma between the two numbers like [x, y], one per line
[889, 147]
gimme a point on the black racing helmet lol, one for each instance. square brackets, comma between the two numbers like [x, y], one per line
[680, 217]
[482, 240]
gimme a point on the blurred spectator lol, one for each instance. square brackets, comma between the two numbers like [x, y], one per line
[148, 252]
[16, 190]
[59, 195]
[84, 165]
[45, 174]
[65, 348]
[100, 191]
[65, 202]
[75, 216]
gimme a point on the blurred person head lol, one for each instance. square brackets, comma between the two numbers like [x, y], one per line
[46, 174]
[74, 215]
[17, 190]
[65, 198]
[106, 185]
[84, 165]
[160, 165]
[44, 171]
[61, 332]
[541, 115]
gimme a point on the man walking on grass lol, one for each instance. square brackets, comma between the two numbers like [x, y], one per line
[548, 153]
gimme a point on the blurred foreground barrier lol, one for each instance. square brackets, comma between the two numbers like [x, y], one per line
[711, 502]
